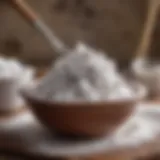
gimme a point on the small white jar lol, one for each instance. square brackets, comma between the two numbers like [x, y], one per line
[12, 80]
[148, 74]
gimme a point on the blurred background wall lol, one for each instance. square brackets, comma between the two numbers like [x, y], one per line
[112, 25]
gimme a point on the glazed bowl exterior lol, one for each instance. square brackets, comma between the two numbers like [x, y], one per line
[83, 119]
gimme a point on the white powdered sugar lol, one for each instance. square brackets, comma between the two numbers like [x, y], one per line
[84, 75]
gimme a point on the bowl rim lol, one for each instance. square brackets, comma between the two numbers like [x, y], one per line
[140, 94]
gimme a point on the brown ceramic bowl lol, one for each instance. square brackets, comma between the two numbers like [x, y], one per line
[83, 119]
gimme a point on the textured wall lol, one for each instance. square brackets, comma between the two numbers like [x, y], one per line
[112, 25]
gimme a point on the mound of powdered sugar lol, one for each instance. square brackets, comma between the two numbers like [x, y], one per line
[83, 75]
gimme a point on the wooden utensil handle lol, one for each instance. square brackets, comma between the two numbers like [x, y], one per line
[149, 26]
[24, 10]
[31, 16]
